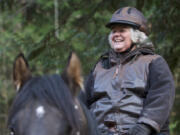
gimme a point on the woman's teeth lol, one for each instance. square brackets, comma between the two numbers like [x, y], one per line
[118, 40]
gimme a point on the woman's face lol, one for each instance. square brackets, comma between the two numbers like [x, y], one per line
[120, 38]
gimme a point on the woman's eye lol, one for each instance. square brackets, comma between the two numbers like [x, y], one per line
[121, 31]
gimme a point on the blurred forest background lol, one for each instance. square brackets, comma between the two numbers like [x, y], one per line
[47, 30]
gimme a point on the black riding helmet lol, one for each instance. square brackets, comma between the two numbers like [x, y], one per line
[129, 16]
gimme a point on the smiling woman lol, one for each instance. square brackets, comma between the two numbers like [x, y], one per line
[120, 38]
[131, 89]
[123, 37]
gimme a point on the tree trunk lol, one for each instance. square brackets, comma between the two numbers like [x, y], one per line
[56, 18]
[139, 4]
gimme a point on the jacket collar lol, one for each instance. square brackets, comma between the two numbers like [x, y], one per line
[121, 58]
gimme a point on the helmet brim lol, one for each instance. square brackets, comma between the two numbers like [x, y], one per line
[122, 22]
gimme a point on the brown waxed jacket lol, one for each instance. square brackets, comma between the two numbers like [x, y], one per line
[130, 88]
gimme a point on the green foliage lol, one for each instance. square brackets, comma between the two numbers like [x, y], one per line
[164, 18]
[29, 27]
[173, 126]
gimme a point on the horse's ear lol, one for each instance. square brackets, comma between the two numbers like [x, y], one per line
[73, 74]
[21, 71]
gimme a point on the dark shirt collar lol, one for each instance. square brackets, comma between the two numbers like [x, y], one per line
[123, 57]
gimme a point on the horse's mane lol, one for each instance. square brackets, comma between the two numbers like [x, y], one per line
[47, 89]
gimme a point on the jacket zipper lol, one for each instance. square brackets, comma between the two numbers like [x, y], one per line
[116, 71]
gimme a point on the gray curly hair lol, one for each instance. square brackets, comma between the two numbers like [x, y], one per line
[137, 37]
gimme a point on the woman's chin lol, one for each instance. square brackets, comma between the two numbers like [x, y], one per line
[118, 48]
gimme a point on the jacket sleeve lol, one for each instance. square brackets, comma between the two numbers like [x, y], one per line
[160, 95]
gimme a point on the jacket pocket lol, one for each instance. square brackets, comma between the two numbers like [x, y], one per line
[134, 86]
[133, 94]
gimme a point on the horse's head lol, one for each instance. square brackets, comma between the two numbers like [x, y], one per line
[47, 105]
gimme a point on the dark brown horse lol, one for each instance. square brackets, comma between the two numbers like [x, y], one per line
[48, 105]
